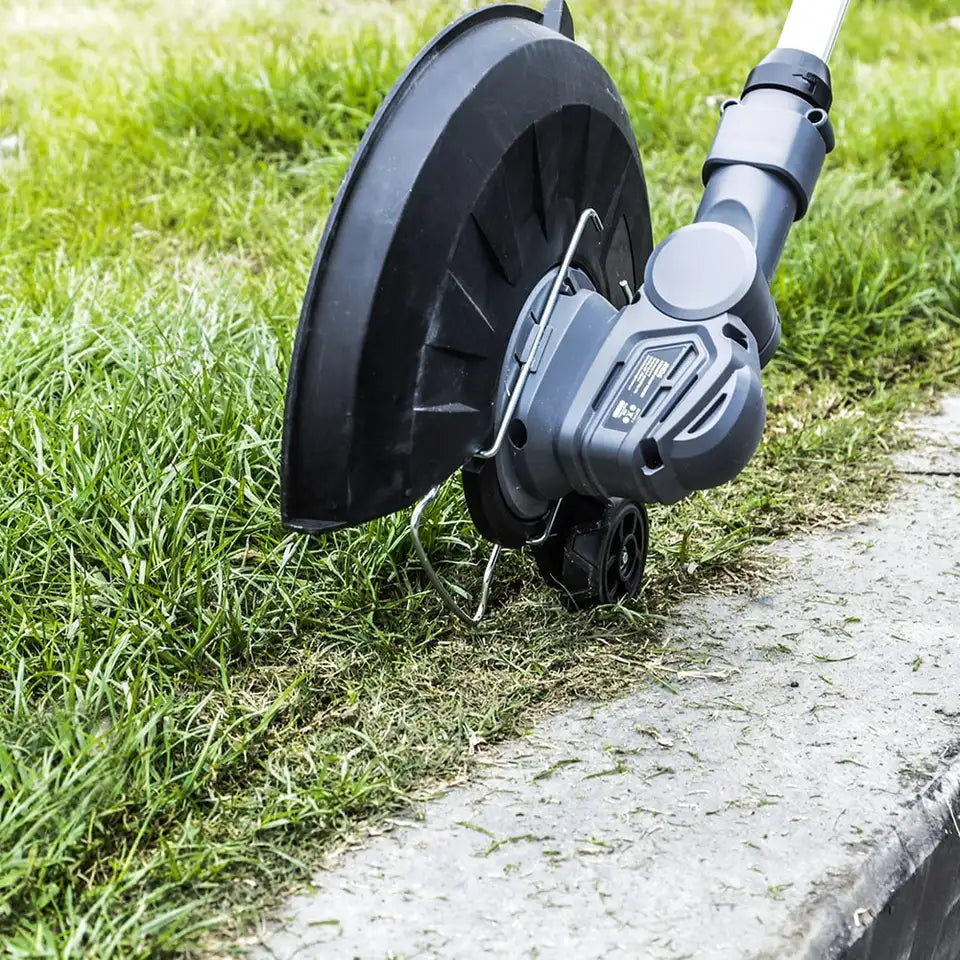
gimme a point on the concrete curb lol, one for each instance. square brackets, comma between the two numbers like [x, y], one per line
[866, 921]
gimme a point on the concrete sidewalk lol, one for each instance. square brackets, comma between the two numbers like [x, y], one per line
[769, 808]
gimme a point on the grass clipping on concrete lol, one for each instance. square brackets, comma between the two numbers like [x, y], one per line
[194, 704]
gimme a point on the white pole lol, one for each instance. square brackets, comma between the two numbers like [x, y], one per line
[813, 26]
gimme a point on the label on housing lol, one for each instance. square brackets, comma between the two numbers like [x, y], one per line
[641, 387]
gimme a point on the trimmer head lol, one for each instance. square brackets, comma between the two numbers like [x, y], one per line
[462, 198]
[486, 297]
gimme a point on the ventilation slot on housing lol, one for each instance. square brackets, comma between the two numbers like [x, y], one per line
[707, 415]
[681, 393]
[738, 336]
[614, 373]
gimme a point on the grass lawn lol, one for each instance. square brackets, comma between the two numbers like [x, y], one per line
[194, 704]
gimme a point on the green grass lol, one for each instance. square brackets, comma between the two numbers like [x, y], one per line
[194, 704]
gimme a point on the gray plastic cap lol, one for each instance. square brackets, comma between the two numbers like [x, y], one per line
[726, 279]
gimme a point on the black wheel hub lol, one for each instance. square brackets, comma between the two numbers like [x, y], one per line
[625, 555]
[597, 553]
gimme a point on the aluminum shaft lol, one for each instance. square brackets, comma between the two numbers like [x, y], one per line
[813, 26]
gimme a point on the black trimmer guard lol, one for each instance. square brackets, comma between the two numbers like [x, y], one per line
[463, 194]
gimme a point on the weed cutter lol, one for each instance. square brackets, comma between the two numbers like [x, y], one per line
[487, 298]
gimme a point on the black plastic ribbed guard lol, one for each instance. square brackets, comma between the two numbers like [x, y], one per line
[463, 194]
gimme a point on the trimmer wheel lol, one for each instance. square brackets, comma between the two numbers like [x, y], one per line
[597, 552]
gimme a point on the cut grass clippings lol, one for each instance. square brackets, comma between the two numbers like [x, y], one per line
[195, 704]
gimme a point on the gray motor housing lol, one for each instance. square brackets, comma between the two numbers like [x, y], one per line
[664, 397]
[663, 408]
